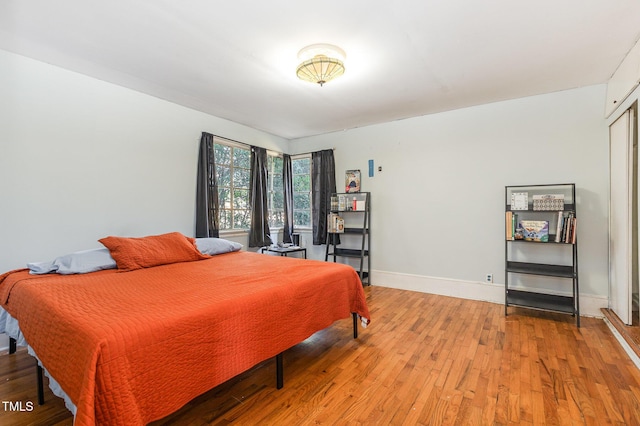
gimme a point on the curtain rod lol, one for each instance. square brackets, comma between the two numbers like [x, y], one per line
[270, 150]
[310, 152]
[245, 145]
[232, 140]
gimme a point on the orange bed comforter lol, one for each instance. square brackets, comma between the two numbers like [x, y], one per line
[132, 347]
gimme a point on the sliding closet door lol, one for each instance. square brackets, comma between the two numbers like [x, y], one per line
[621, 208]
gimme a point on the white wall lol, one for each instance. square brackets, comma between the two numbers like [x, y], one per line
[438, 204]
[81, 159]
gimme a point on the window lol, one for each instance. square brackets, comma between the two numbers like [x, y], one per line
[233, 170]
[275, 191]
[301, 168]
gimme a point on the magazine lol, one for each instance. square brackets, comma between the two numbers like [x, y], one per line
[535, 230]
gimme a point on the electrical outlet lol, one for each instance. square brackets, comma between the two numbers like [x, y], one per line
[489, 278]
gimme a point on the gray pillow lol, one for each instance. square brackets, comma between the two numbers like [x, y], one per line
[80, 262]
[215, 246]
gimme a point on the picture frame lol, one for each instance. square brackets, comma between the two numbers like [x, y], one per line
[352, 181]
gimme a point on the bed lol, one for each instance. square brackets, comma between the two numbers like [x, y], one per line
[130, 346]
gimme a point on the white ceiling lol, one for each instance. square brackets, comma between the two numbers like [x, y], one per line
[236, 59]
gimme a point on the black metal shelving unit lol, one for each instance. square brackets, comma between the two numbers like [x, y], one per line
[361, 234]
[569, 304]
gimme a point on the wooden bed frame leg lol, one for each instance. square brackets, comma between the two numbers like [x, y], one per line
[279, 371]
[13, 345]
[355, 325]
[40, 386]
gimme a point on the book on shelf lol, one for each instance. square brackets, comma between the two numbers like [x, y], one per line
[569, 223]
[535, 230]
[559, 227]
[335, 223]
[566, 230]
[512, 229]
[571, 227]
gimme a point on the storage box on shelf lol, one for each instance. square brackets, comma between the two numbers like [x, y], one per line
[544, 217]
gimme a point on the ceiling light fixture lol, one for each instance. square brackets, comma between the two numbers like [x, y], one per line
[321, 63]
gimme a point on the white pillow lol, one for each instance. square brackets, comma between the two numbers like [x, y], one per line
[213, 246]
[80, 262]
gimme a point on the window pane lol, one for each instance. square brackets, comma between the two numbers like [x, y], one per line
[277, 165]
[241, 178]
[301, 166]
[240, 199]
[278, 200]
[224, 198]
[276, 218]
[302, 201]
[223, 173]
[223, 154]
[242, 158]
[225, 219]
[241, 219]
[302, 218]
[301, 183]
[278, 184]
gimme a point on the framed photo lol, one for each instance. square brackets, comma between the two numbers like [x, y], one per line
[352, 181]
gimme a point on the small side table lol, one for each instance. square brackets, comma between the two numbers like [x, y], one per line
[284, 251]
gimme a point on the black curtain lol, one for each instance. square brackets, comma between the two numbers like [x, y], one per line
[287, 177]
[207, 217]
[259, 234]
[323, 184]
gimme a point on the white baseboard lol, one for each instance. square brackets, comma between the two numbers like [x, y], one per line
[590, 305]
[623, 343]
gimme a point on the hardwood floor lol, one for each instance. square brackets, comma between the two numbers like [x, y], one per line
[425, 359]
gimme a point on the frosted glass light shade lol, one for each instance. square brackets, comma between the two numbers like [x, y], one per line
[321, 63]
